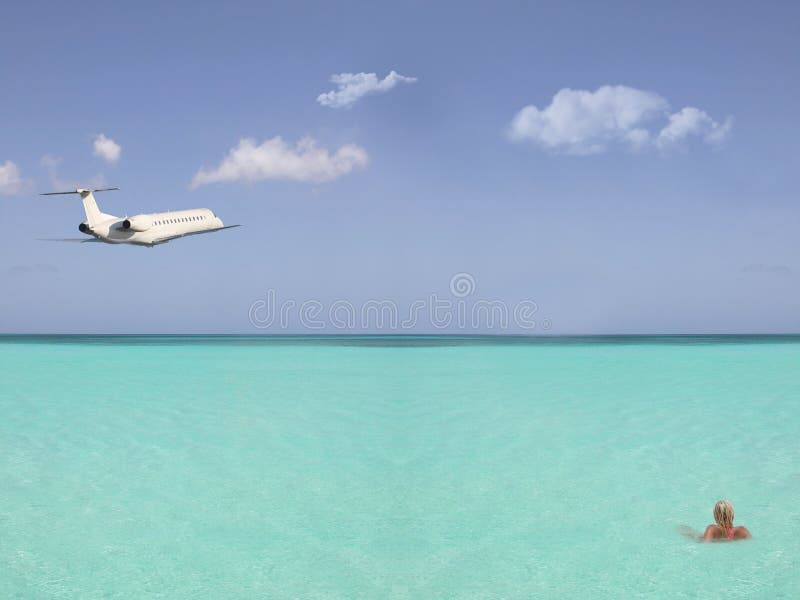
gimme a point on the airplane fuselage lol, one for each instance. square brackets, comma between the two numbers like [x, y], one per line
[153, 228]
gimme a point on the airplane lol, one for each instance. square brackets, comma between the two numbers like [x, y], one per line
[142, 230]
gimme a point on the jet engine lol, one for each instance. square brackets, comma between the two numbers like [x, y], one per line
[138, 223]
[84, 228]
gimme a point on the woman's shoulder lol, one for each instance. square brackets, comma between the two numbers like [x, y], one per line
[740, 532]
[712, 532]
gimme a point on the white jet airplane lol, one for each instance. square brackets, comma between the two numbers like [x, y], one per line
[143, 230]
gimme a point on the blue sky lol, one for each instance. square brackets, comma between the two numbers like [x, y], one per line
[585, 204]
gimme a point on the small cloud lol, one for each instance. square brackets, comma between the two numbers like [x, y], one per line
[37, 268]
[693, 121]
[106, 148]
[583, 122]
[762, 268]
[275, 159]
[352, 86]
[11, 182]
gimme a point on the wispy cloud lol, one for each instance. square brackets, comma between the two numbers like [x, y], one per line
[764, 268]
[352, 86]
[52, 163]
[36, 268]
[106, 148]
[590, 122]
[11, 181]
[275, 159]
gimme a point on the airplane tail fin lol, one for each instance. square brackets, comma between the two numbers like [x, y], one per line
[93, 214]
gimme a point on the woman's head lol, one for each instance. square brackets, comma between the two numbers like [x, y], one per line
[723, 514]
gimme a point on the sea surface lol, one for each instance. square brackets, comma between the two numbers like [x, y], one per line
[396, 467]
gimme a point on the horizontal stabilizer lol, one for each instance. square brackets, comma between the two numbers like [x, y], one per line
[78, 191]
[93, 214]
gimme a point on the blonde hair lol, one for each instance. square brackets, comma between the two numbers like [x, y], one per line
[723, 514]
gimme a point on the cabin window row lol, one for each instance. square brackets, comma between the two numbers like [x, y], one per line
[180, 220]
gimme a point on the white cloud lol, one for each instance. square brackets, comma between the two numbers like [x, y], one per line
[693, 121]
[106, 148]
[589, 122]
[352, 86]
[10, 181]
[275, 159]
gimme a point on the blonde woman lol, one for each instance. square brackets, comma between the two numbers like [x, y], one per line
[723, 529]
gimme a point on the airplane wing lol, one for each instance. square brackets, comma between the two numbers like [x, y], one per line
[164, 240]
[80, 240]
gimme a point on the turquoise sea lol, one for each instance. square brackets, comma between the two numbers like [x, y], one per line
[397, 467]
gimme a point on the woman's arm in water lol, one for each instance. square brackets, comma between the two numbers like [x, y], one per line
[712, 533]
[690, 533]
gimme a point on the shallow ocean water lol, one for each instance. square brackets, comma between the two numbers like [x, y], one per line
[169, 467]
